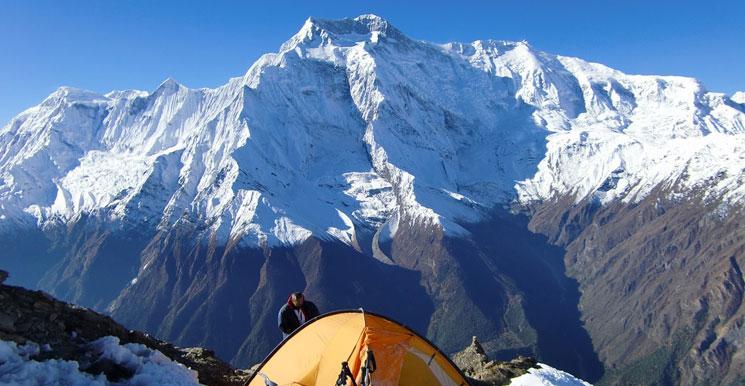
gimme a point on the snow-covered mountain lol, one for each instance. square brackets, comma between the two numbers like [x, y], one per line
[359, 137]
[365, 124]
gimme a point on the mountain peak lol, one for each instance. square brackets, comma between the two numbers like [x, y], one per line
[169, 84]
[360, 25]
[343, 32]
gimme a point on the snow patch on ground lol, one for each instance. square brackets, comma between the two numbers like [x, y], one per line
[16, 368]
[150, 367]
[547, 376]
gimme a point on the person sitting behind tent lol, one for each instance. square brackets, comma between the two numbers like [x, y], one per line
[295, 312]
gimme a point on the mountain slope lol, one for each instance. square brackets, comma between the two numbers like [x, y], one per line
[356, 156]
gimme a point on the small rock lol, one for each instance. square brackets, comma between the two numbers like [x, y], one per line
[24, 326]
[7, 323]
[47, 296]
[484, 372]
[477, 346]
[113, 371]
[3, 276]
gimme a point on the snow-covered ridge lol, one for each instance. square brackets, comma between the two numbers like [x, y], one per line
[352, 124]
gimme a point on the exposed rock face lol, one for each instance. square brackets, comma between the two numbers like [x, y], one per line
[481, 371]
[37, 317]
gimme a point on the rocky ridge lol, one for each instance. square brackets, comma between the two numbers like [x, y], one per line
[484, 372]
[34, 316]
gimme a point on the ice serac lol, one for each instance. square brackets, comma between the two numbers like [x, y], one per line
[356, 156]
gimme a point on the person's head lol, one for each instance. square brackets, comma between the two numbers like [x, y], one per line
[297, 299]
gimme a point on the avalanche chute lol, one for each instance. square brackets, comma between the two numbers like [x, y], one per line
[356, 348]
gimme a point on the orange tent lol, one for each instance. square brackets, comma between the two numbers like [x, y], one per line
[313, 354]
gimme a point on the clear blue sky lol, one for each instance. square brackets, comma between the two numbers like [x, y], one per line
[116, 44]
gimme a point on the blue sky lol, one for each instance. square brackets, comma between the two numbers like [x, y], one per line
[117, 44]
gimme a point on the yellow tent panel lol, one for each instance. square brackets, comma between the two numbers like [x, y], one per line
[313, 354]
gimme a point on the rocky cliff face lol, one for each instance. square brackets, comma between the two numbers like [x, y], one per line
[370, 169]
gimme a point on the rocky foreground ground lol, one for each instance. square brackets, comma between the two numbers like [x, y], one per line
[66, 330]
[484, 372]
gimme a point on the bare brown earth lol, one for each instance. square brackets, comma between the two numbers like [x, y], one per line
[661, 283]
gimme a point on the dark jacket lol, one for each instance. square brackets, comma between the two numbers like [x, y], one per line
[288, 321]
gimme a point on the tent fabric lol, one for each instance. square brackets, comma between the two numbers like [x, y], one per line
[313, 354]
[389, 349]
